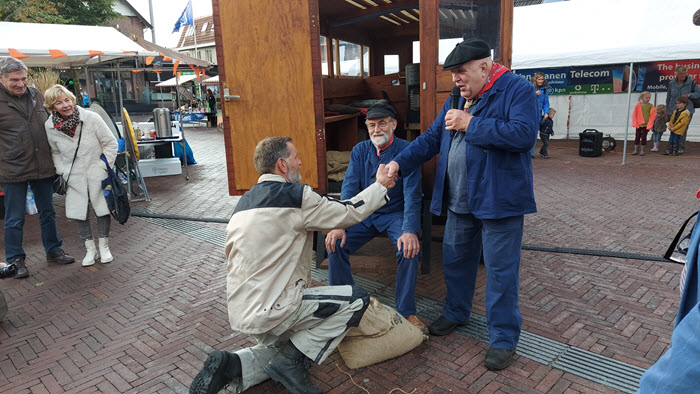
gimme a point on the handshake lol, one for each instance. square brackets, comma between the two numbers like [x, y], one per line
[384, 178]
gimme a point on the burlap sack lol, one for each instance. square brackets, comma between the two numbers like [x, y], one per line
[382, 334]
[338, 162]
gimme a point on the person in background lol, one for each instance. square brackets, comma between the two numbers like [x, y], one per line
[211, 99]
[682, 86]
[643, 115]
[268, 248]
[540, 84]
[483, 181]
[678, 125]
[78, 138]
[399, 218]
[547, 130]
[658, 126]
[25, 161]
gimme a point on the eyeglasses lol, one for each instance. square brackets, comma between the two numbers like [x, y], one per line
[371, 125]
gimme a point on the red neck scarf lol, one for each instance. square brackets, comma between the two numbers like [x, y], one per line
[381, 148]
[496, 71]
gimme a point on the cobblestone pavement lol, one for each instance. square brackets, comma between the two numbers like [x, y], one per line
[146, 322]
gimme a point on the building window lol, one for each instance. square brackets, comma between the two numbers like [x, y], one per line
[209, 58]
[204, 27]
[349, 54]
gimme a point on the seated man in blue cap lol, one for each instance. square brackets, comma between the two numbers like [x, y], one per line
[399, 219]
[483, 182]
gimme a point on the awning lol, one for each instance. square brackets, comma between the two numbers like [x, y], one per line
[48, 45]
[211, 81]
[172, 81]
[184, 59]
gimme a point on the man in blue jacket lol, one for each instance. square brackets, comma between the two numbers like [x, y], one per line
[399, 218]
[483, 182]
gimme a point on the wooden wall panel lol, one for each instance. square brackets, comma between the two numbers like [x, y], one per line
[270, 66]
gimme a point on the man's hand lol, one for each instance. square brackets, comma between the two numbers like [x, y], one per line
[332, 237]
[383, 177]
[410, 243]
[393, 169]
[456, 119]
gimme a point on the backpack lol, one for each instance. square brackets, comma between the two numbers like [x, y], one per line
[115, 194]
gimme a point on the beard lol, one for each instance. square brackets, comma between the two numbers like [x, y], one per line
[381, 139]
[293, 176]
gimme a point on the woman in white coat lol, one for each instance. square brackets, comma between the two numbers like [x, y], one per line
[63, 129]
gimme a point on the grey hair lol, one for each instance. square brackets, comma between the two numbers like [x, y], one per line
[682, 68]
[10, 65]
[268, 152]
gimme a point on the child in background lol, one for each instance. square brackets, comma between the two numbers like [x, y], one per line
[644, 113]
[658, 126]
[546, 130]
[540, 84]
[677, 125]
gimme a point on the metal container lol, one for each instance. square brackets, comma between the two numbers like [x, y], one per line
[161, 122]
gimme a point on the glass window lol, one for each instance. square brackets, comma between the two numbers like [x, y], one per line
[462, 19]
[391, 64]
[365, 61]
[324, 56]
[349, 55]
[204, 27]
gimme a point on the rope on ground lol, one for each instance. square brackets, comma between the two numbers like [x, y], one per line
[367, 391]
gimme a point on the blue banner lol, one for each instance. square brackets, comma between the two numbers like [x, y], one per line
[186, 18]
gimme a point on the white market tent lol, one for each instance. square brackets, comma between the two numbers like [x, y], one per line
[598, 32]
[211, 81]
[176, 80]
[47, 45]
[593, 32]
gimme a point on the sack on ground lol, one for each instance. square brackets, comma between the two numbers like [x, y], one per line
[382, 334]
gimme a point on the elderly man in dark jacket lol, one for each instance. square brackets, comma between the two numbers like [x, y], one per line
[25, 160]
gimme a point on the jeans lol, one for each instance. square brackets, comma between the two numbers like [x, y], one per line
[500, 239]
[656, 136]
[674, 139]
[339, 272]
[15, 200]
[545, 144]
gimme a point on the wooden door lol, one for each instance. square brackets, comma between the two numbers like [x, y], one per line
[269, 54]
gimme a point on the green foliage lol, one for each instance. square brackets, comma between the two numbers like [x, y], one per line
[76, 12]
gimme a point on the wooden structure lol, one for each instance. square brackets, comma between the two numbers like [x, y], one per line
[276, 80]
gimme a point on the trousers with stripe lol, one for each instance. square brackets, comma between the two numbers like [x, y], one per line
[321, 321]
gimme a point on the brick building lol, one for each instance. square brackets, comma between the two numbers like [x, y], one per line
[203, 30]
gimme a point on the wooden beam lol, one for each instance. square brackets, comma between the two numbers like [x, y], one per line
[360, 15]
[506, 55]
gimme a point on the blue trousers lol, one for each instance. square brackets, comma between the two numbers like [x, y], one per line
[339, 272]
[15, 200]
[501, 239]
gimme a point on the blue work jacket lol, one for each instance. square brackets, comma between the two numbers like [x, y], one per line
[498, 163]
[678, 370]
[405, 197]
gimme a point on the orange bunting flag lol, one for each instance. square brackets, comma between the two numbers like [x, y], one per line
[96, 53]
[56, 53]
[177, 63]
[149, 60]
[136, 71]
[17, 54]
[165, 58]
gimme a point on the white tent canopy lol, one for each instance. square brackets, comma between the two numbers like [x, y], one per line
[211, 81]
[594, 32]
[173, 81]
[50, 45]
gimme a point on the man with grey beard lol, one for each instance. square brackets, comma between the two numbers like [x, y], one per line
[399, 219]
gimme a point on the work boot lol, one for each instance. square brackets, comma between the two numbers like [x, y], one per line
[22, 271]
[655, 148]
[498, 359]
[669, 150]
[59, 257]
[442, 326]
[290, 367]
[641, 150]
[90, 253]
[219, 370]
[105, 254]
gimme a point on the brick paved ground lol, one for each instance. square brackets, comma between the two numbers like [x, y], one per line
[145, 322]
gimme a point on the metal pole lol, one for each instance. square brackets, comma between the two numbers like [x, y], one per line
[153, 27]
[87, 85]
[629, 103]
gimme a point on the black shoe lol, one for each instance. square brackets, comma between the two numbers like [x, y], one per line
[290, 367]
[22, 271]
[59, 257]
[219, 370]
[497, 359]
[442, 326]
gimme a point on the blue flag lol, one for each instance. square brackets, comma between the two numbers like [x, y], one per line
[186, 17]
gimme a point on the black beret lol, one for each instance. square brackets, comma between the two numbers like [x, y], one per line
[380, 110]
[465, 51]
